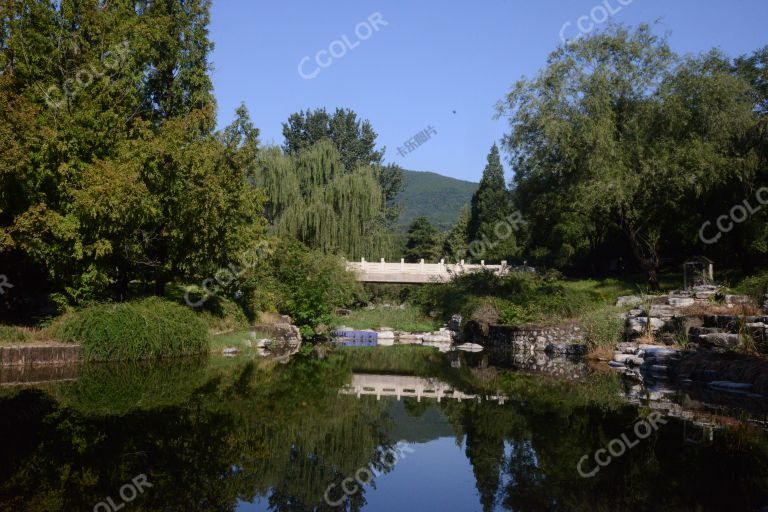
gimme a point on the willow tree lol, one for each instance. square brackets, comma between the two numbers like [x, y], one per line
[315, 199]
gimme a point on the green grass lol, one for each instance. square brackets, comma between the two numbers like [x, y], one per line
[398, 359]
[410, 319]
[11, 334]
[144, 329]
[237, 339]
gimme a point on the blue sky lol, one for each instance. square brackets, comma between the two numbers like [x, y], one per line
[430, 59]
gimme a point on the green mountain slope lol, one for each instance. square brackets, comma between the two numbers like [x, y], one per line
[436, 197]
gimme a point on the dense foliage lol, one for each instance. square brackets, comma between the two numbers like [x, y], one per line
[423, 242]
[110, 170]
[307, 285]
[144, 329]
[622, 150]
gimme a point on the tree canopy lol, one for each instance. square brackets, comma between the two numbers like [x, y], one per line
[620, 140]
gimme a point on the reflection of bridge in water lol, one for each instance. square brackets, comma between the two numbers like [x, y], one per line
[409, 386]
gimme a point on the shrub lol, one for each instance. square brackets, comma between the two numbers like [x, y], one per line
[143, 329]
[307, 285]
[602, 327]
[755, 286]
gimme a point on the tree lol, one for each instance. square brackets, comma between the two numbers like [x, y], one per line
[355, 140]
[316, 200]
[491, 207]
[122, 176]
[457, 239]
[423, 241]
[618, 140]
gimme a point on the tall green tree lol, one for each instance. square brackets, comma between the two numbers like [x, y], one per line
[313, 198]
[457, 239]
[618, 143]
[489, 232]
[122, 176]
[354, 139]
[423, 241]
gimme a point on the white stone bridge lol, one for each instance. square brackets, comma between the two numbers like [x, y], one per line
[408, 386]
[402, 272]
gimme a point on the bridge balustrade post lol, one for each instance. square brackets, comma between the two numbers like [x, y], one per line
[421, 265]
[382, 263]
[482, 263]
[362, 263]
[402, 265]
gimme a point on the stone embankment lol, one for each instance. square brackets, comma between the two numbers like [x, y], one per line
[691, 337]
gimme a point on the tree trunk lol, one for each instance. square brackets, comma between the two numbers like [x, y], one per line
[647, 254]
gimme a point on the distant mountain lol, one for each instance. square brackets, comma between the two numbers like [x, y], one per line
[436, 197]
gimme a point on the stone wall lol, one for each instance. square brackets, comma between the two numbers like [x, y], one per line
[558, 339]
[44, 353]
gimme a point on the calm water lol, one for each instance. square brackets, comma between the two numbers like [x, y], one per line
[233, 434]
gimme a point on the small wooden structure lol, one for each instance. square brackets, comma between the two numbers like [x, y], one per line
[697, 271]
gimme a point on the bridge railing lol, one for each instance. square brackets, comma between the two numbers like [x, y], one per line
[421, 267]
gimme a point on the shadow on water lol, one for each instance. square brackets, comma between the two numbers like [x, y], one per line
[242, 435]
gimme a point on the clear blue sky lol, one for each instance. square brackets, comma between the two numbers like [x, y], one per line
[432, 57]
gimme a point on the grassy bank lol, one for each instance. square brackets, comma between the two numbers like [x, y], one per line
[144, 329]
[410, 319]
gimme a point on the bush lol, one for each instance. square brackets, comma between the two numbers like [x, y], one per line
[518, 297]
[307, 285]
[602, 327]
[755, 286]
[143, 329]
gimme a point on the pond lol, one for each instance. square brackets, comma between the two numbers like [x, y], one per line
[471, 432]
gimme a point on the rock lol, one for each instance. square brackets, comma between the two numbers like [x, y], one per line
[665, 311]
[635, 361]
[739, 300]
[230, 350]
[321, 329]
[410, 339]
[721, 339]
[343, 312]
[436, 338]
[614, 364]
[638, 325]
[386, 342]
[628, 301]
[627, 348]
[262, 343]
[622, 358]
[454, 324]
[680, 302]
[387, 334]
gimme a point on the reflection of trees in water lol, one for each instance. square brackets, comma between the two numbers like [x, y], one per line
[524, 457]
[282, 433]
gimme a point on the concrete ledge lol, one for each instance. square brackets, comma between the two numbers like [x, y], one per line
[40, 353]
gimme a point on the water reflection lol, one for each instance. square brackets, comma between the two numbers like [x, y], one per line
[229, 434]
